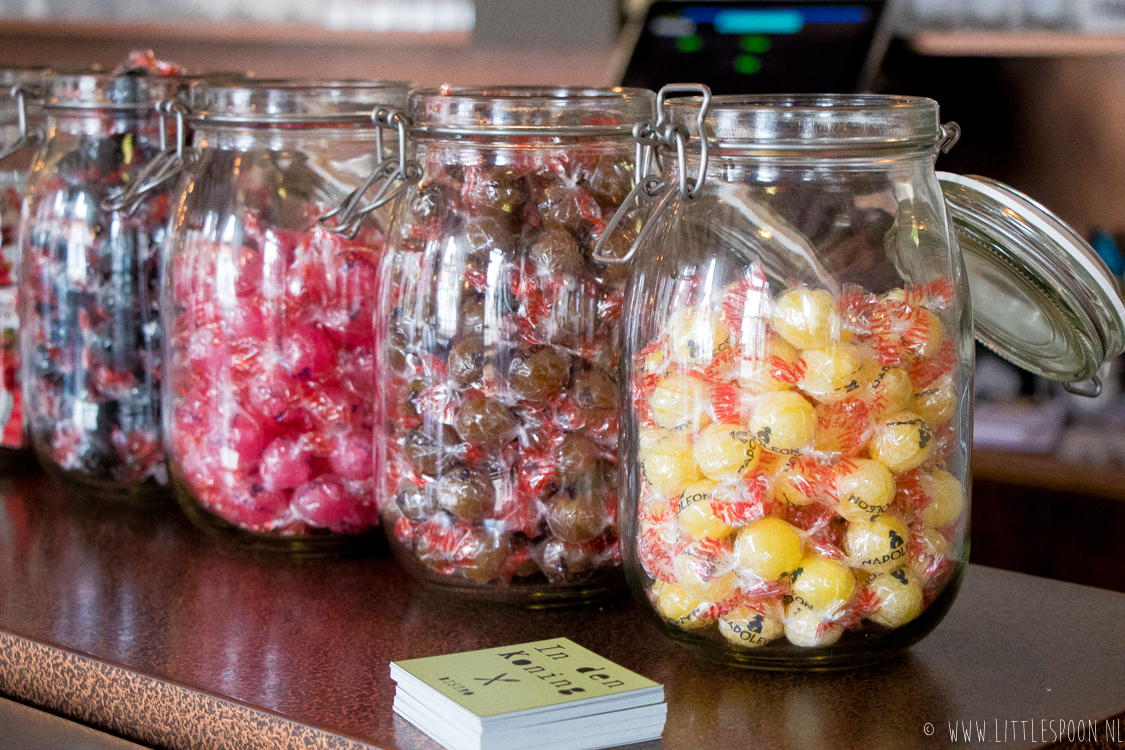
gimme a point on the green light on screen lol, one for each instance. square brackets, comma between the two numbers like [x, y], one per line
[756, 44]
[691, 43]
[747, 64]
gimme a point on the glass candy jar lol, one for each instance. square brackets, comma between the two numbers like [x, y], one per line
[797, 358]
[498, 343]
[21, 120]
[89, 287]
[269, 315]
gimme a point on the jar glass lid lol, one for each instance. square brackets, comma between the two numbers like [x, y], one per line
[1041, 296]
[293, 102]
[128, 91]
[530, 111]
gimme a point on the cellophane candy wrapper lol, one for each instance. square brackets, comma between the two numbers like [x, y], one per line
[793, 456]
[501, 368]
[89, 297]
[271, 384]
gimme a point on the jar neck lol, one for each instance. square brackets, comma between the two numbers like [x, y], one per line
[249, 138]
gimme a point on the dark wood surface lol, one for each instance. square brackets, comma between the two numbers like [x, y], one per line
[130, 620]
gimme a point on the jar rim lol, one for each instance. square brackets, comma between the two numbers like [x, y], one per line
[547, 111]
[108, 91]
[812, 121]
[293, 101]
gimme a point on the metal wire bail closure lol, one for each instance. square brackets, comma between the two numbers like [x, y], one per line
[390, 178]
[650, 188]
[949, 134]
[162, 168]
[28, 137]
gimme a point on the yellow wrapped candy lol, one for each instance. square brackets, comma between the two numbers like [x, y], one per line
[669, 466]
[822, 585]
[902, 441]
[806, 318]
[762, 361]
[947, 498]
[808, 629]
[832, 372]
[678, 403]
[791, 483]
[704, 570]
[936, 402]
[768, 549]
[696, 517]
[886, 389]
[877, 546]
[747, 628]
[783, 422]
[680, 608]
[696, 336]
[725, 451]
[900, 597]
[864, 489]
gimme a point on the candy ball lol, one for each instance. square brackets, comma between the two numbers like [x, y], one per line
[877, 546]
[822, 585]
[902, 441]
[669, 466]
[936, 402]
[900, 597]
[696, 335]
[806, 318]
[679, 402]
[768, 549]
[910, 330]
[694, 512]
[843, 427]
[704, 570]
[783, 422]
[744, 627]
[762, 361]
[576, 514]
[929, 554]
[679, 607]
[807, 629]
[725, 452]
[831, 372]
[864, 488]
[792, 485]
[886, 389]
[947, 499]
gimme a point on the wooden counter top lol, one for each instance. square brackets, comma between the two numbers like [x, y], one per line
[133, 622]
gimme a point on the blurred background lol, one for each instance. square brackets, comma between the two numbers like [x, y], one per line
[1038, 87]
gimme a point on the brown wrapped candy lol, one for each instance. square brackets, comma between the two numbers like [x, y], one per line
[427, 453]
[497, 191]
[574, 458]
[576, 514]
[538, 373]
[467, 493]
[555, 252]
[595, 391]
[559, 208]
[609, 181]
[466, 361]
[484, 421]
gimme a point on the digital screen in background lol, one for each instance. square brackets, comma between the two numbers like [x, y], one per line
[755, 47]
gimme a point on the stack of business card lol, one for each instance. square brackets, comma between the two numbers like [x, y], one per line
[550, 695]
